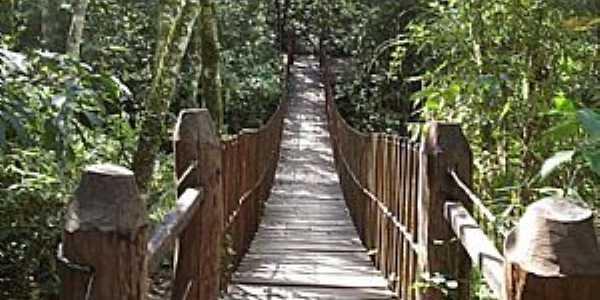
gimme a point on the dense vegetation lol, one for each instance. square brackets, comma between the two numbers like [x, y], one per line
[521, 77]
[62, 108]
[83, 81]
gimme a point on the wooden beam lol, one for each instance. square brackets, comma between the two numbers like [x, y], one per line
[199, 255]
[481, 249]
[173, 225]
[443, 148]
[105, 230]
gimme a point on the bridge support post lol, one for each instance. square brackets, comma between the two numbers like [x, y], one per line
[104, 243]
[553, 253]
[444, 148]
[198, 258]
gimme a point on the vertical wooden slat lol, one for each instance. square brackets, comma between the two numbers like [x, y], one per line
[412, 271]
[237, 192]
[405, 221]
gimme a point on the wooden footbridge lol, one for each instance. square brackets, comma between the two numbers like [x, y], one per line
[306, 207]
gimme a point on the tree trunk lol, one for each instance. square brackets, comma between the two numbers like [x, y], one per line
[211, 75]
[284, 25]
[55, 22]
[195, 60]
[7, 16]
[175, 33]
[74, 38]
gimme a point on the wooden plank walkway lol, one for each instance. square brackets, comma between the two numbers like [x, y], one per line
[306, 246]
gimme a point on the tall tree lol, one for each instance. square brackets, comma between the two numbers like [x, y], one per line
[75, 36]
[175, 32]
[7, 16]
[55, 24]
[212, 86]
[195, 61]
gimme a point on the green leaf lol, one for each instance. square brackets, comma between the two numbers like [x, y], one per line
[590, 121]
[505, 109]
[432, 104]
[59, 100]
[555, 161]
[563, 104]
[593, 158]
[565, 128]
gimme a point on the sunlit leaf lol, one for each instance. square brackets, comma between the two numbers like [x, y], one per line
[563, 104]
[590, 121]
[59, 100]
[565, 128]
[556, 161]
[593, 158]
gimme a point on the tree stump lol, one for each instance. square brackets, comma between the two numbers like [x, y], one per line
[553, 253]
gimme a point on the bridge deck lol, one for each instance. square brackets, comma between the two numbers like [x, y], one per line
[306, 246]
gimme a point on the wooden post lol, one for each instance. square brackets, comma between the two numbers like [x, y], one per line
[105, 233]
[197, 272]
[553, 253]
[444, 148]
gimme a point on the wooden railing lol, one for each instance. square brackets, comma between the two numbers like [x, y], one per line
[379, 175]
[413, 206]
[221, 185]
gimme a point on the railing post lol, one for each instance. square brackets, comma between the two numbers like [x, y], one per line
[443, 148]
[197, 271]
[104, 241]
[553, 253]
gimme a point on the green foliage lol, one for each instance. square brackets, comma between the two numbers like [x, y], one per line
[370, 96]
[513, 73]
[52, 125]
[58, 115]
[252, 65]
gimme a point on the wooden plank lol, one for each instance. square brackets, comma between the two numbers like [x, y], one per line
[324, 280]
[482, 251]
[246, 292]
[174, 223]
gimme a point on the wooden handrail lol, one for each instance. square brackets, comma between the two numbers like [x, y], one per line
[379, 178]
[383, 209]
[481, 249]
[172, 226]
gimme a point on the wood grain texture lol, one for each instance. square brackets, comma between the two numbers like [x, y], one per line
[553, 254]
[444, 149]
[173, 225]
[306, 246]
[199, 251]
[481, 249]
[105, 230]
[379, 175]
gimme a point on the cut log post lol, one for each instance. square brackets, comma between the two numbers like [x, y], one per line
[553, 253]
[444, 148]
[197, 273]
[104, 241]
